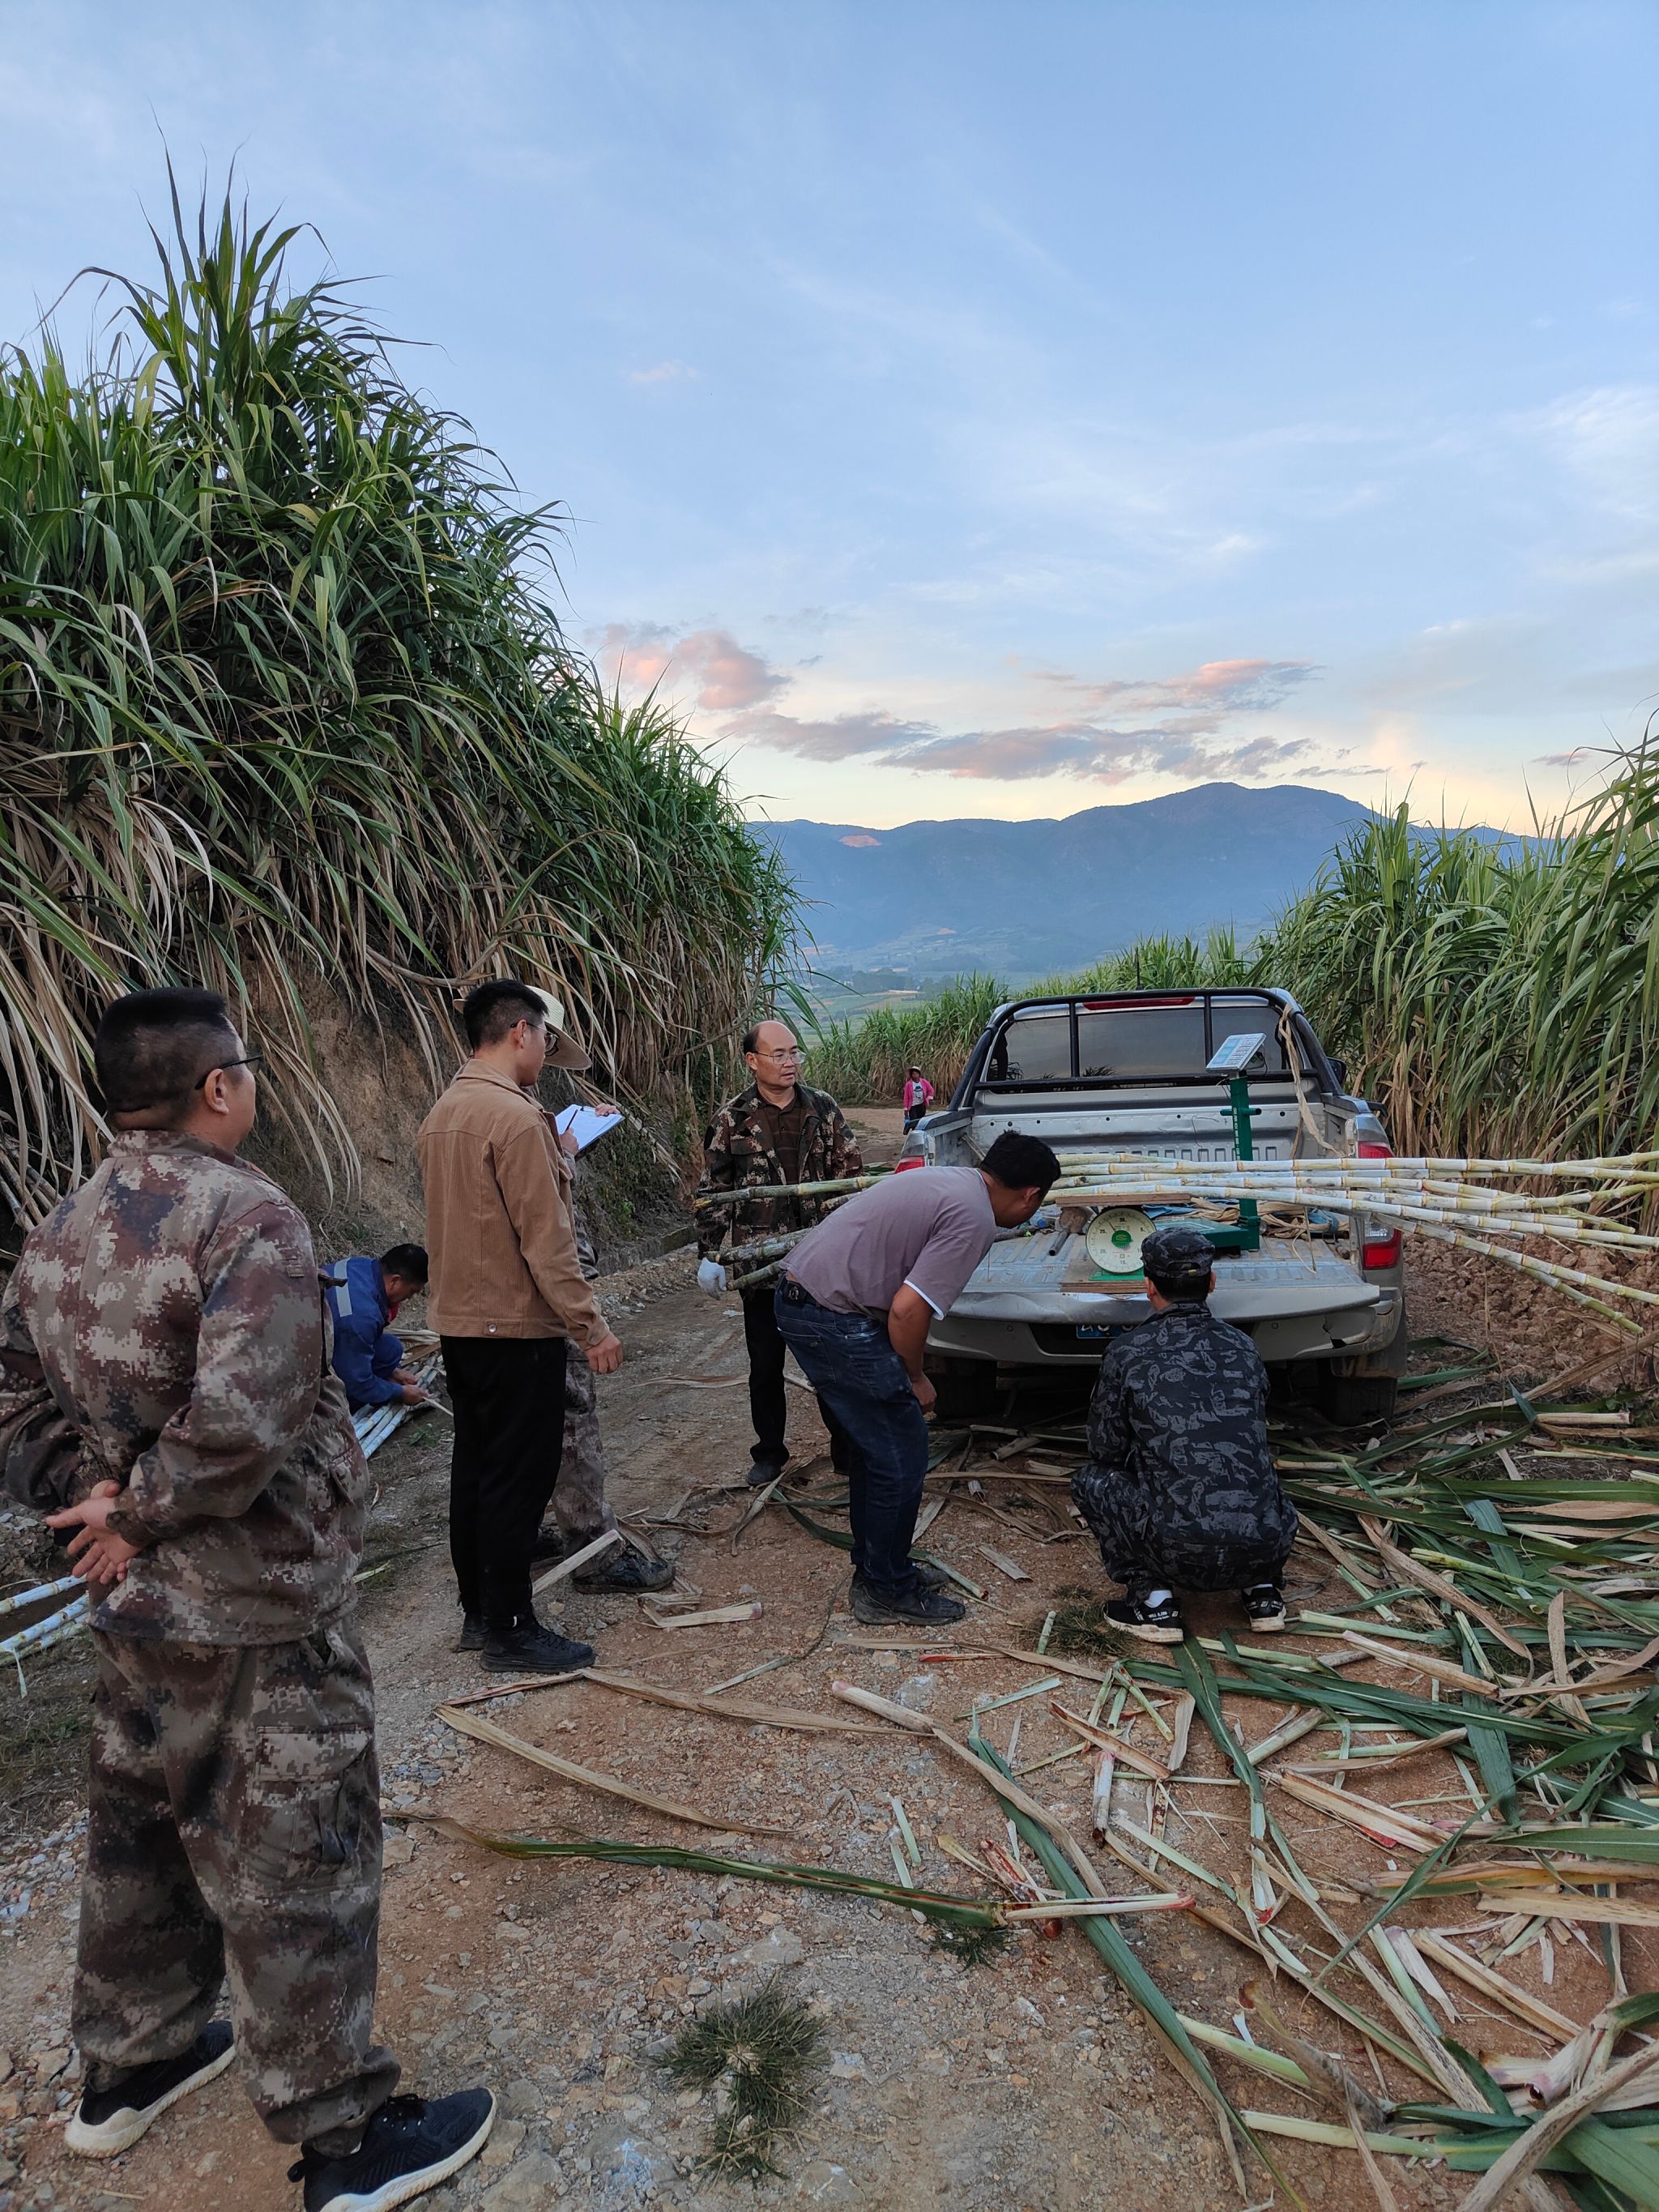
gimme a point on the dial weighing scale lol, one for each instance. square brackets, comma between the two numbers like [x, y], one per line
[1115, 1236]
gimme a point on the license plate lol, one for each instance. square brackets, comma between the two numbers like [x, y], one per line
[1095, 1329]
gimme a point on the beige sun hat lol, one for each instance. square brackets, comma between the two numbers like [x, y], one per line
[563, 1048]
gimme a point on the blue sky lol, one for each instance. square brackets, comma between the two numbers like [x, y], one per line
[974, 410]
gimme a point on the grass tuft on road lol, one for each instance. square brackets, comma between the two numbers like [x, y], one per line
[759, 2053]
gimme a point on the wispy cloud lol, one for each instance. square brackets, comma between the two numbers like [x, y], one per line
[841, 737]
[727, 677]
[1216, 689]
[1118, 728]
[1089, 751]
[662, 372]
[1608, 439]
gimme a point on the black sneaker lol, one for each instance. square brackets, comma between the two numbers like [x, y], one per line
[918, 1603]
[624, 1567]
[1152, 1624]
[1264, 1607]
[110, 2121]
[411, 2145]
[472, 1632]
[534, 1649]
[762, 1471]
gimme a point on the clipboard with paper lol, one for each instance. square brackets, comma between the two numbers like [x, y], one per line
[587, 1124]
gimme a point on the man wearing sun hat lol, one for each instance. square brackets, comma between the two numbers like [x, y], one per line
[507, 1298]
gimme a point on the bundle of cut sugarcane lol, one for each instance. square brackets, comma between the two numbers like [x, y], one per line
[56, 1627]
[748, 1266]
[1464, 1202]
[844, 1188]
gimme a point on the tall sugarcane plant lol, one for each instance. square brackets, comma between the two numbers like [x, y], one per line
[285, 706]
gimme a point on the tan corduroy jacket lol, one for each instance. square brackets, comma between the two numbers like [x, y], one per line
[500, 1217]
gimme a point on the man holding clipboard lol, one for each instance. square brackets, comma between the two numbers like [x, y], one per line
[509, 1300]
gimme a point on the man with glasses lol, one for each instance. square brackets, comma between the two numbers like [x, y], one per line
[775, 1131]
[165, 1383]
[507, 1298]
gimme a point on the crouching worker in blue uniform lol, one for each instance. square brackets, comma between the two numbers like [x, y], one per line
[1179, 1484]
[364, 1295]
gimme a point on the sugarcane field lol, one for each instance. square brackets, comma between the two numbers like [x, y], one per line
[828, 1108]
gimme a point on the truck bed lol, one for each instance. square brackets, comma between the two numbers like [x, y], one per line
[1106, 1075]
[1294, 1298]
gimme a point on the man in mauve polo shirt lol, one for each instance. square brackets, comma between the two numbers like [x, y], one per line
[505, 1292]
[854, 1306]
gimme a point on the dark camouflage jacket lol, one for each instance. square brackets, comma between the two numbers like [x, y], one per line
[1179, 1484]
[737, 1154]
[165, 1329]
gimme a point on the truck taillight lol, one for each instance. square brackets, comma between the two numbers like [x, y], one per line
[1380, 1247]
[919, 1161]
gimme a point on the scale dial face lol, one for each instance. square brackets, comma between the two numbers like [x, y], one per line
[1114, 1237]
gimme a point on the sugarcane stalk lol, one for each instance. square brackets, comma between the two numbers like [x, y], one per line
[765, 1248]
[941, 1905]
[19, 1599]
[45, 1635]
[787, 1190]
[1609, 1165]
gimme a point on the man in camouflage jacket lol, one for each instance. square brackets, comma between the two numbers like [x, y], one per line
[1179, 1484]
[165, 1381]
[777, 1131]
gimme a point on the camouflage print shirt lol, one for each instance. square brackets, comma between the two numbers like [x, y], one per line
[168, 1314]
[1179, 1483]
[737, 1154]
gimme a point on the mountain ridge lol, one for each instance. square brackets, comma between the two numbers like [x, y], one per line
[1023, 898]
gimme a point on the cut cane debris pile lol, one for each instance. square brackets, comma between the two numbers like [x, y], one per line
[1431, 1813]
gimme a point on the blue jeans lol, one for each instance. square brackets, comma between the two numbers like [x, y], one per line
[850, 1362]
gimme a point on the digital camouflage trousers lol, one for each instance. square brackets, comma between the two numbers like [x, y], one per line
[1146, 1542]
[234, 1830]
[578, 1509]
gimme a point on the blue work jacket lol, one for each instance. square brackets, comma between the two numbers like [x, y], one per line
[365, 1350]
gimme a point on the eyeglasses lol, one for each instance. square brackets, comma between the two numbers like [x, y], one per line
[792, 1052]
[248, 1059]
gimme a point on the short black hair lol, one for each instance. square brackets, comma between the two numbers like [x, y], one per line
[1019, 1162]
[1180, 1290]
[492, 1009]
[151, 1048]
[408, 1260]
[751, 1038]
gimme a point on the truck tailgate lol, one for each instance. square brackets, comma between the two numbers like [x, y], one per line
[1022, 1279]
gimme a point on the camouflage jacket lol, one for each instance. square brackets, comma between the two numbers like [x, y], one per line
[737, 1155]
[1179, 1473]
[165, 1329]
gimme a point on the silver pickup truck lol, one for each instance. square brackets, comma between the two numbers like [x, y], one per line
[1129, 1072]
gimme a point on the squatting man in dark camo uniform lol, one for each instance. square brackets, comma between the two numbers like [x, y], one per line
[165, 1382]
[1179, 1484]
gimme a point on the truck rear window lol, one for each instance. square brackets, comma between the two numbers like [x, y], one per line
[1130, 1042]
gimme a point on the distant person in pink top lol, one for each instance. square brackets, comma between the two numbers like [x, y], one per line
[918, 1097]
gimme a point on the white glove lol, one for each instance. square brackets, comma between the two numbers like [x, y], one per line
[711, 1277]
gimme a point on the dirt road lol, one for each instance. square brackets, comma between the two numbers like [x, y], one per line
[1025, 2081]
